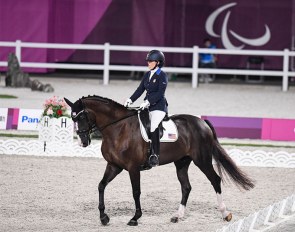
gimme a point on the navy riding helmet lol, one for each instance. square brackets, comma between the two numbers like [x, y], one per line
[156, 55]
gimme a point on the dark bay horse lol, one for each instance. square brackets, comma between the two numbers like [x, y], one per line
[124, 148]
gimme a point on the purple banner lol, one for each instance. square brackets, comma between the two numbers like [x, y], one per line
[52, 21]
[263, 25]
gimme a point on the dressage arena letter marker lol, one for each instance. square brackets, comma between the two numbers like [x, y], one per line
[63, 122]
[45, 122]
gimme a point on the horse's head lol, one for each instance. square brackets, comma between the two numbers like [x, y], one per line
[84, 122]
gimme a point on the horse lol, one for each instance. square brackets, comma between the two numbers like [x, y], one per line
[124, 149]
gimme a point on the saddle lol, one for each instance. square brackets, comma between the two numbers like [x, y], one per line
[167, 128]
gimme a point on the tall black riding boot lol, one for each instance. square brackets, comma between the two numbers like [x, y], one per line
[154, 157]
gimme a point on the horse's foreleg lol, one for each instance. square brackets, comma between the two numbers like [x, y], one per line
[110, 173]
[135, 182]
[182, 174]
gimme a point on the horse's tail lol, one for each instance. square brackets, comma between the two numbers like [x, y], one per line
[225, 163]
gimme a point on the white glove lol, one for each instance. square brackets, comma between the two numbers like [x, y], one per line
[145, 104]
[128, 102]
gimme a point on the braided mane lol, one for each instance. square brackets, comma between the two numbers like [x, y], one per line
[104, 100]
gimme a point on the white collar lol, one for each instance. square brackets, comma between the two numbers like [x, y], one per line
[155, 70]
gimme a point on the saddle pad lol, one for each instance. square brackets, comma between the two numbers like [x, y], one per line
[170, 132]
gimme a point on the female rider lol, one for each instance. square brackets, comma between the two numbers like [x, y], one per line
[154, 82]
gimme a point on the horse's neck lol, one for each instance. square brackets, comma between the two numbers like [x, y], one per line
[106, 114]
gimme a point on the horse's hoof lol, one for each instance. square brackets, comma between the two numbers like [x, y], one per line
[105, 220]
[174, 219]
[132, 223]
[228, 217]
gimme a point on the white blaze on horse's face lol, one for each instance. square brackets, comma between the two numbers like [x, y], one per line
[81, 127]
[79, 141]
[75, 129]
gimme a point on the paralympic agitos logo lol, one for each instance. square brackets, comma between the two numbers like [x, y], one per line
[224, 30]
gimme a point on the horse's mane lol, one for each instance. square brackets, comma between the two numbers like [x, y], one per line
[104, 100]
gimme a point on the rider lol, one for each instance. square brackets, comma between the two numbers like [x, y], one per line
[154, 82]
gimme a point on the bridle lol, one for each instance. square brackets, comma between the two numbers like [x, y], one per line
[83, 115]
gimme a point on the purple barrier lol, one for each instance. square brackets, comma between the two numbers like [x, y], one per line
[278, 129]
[253, 128]
[234, 127]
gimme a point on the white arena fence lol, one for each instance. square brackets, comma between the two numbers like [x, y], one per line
[265, 219]
[256, 158]
[286, 54]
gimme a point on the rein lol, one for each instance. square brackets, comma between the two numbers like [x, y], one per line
[116, 121]
[74, 117]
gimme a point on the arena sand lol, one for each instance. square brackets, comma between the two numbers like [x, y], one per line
[60, 194]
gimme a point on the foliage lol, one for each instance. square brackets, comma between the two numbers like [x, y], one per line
[55, 108]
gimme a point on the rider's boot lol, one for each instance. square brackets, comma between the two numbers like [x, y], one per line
[154, 157]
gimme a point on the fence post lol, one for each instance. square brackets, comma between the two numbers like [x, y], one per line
[251, 228]
[281, 213]
[195, 66]
[293, 206]
[270, 209]
[285, 70]
[106, 61]
[18, 51]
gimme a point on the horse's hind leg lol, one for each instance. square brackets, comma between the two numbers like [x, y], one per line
[215, 180]
[110, 173]
[182, 174]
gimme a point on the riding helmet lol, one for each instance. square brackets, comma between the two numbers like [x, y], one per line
[156, 55]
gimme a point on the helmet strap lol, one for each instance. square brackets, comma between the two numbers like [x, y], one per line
[156, 65]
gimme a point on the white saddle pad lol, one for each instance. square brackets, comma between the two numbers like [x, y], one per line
[170, 132]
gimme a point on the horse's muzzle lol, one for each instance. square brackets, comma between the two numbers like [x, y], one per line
[85, 140]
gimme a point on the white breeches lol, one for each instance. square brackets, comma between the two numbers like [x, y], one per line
[156, 117]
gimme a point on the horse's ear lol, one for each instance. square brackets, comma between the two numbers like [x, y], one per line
[69, 102]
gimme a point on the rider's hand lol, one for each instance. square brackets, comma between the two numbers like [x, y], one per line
[128, 102]
[145, 104]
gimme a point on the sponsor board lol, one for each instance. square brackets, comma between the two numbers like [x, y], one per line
[28, 119]
[3, 118]
[226, 127]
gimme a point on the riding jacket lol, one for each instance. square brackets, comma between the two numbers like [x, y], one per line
[155, 90]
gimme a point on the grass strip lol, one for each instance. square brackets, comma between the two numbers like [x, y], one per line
[25, 136]
[6, 96]
[18, 135]
[256, 145]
